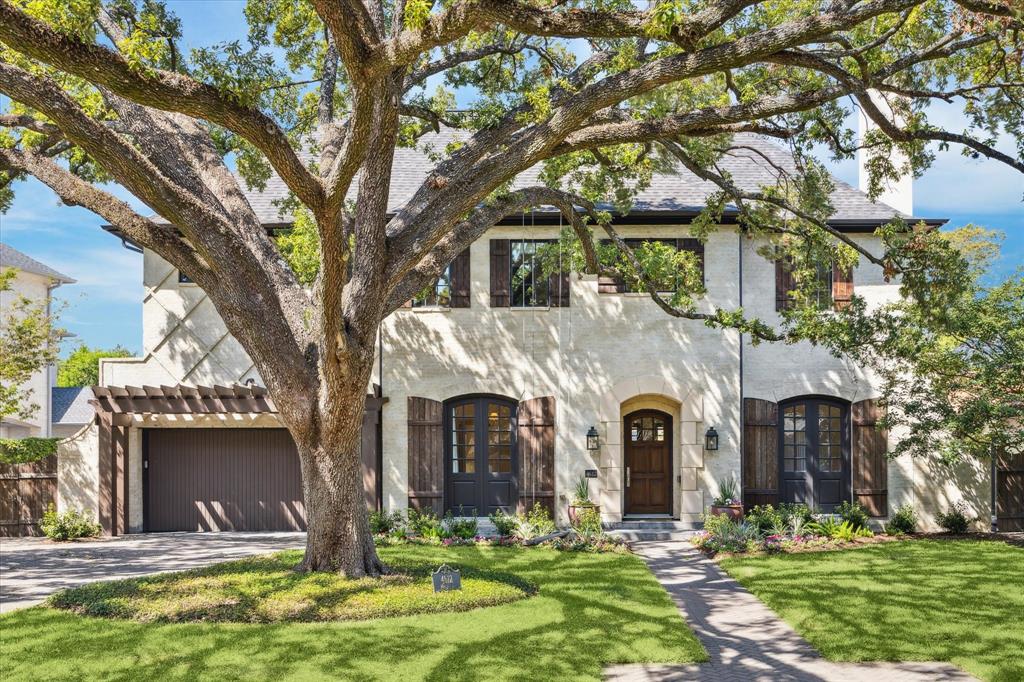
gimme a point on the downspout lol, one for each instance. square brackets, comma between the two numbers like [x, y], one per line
[739, 251]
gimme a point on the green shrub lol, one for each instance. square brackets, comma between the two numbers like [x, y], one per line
[534, 523]
[955, 520]
[424, 524]
[722, 534]
[22, 450]
[504, 524]
[385, 522]
[854, 513]
[70, 525]
[903, 520]
[461, 527]
[779, 520]
[827, 527]
[588, 522]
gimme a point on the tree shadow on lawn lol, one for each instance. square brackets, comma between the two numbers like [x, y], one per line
[919, 600]
[590, 611]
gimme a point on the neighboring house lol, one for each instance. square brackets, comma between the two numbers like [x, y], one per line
[71, 410]
[489, 385]
[35, 281]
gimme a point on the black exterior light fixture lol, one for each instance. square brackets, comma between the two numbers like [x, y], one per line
[593, 442]
[711, 439]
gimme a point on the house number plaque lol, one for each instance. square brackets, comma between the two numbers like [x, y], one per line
[446, 579]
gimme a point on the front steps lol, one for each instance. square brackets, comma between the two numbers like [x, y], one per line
[641, 530]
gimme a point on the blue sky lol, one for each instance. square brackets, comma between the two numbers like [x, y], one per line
[104, 308]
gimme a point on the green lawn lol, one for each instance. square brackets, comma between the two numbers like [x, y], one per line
[590, 610]
[960, 601]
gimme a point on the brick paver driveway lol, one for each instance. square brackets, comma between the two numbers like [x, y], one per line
[744, 638]
[33, 568]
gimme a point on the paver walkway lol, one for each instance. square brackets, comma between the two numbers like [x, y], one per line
[31, 569]
[745, 639]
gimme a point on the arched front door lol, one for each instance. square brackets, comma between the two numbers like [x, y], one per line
[648, 460]
[482, 456]
[814, 453]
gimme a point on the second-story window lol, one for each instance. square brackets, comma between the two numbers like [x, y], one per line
[660, 260]
[437, 295]
[832, 287]
[529, 287]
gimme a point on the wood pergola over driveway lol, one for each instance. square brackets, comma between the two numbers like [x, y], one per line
[118, 408]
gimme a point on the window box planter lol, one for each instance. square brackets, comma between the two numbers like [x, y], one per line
[733, 511]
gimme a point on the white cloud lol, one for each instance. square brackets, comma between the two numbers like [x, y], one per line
[102, 274]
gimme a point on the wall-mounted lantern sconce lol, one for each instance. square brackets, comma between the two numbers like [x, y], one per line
[593, 442]
[711, 439]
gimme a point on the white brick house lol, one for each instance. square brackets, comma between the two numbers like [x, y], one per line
[485, 400]
[35, 281]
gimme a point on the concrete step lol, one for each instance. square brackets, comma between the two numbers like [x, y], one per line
[652, 524]
[649, 535]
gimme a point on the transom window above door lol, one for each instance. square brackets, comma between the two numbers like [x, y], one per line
[648, 428]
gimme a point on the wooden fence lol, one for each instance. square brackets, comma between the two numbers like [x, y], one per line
[25, 492]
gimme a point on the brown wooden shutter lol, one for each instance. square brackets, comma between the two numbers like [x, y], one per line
[426, 471]
[460, 280]
[500, 286]
[870, 458]
[842, 286]
[537, 453]
[783, 284]
[695, 246]
[1010, 491]
[760, 452]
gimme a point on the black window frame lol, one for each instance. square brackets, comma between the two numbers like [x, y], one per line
[438, 294]
[481, 453]
[824, 291]
[517, 295]
[812, 473]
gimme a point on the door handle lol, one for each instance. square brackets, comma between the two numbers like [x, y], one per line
[627, 477]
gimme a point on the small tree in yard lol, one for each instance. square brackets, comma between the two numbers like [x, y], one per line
[82, 366]
[598, 93]
[28, 343]
[951, 366]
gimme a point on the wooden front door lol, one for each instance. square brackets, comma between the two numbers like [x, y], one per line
[814, 454]
[648, 475]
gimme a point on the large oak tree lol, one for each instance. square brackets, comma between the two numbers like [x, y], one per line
[602, 93]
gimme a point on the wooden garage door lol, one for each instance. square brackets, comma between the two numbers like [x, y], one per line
[222, 479]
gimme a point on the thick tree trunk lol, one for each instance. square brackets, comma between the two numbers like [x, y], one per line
[338, 537]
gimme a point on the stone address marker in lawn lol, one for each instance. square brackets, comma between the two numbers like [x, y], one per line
[446, 578]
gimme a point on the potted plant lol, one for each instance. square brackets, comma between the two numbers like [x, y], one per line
[727, 502]
[581, 500]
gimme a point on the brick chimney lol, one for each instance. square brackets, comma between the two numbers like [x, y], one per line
[899, 194]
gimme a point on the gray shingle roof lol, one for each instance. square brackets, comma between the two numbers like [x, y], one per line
[10, 257]
[71, 405]
[678, 192]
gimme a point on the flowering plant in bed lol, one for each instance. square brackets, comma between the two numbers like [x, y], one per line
[773, 531]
